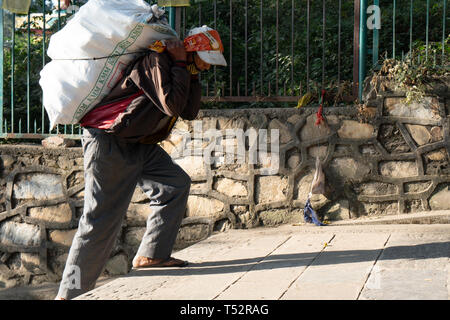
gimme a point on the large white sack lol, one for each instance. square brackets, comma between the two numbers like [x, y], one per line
[101, 28]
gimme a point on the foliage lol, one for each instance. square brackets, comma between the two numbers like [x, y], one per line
[255, 61]
[21, 98]
[417, 72]
[265, 65]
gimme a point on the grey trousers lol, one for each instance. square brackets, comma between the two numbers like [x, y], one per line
[112, 170]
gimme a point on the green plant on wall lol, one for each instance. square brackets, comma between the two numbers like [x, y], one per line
[418, 71]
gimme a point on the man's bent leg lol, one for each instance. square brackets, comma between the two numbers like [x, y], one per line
[167, 186]
[110, 180]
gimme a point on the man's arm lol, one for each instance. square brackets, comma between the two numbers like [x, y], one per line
[178, 54]
[193, 104]
[164, 82]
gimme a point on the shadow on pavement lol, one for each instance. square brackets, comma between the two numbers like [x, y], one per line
[413, 252]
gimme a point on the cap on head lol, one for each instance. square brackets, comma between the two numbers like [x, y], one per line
[207, 43]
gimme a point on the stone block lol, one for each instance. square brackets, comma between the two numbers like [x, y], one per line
[318, 151]
[6, 282]
[193, 165]
[65, 163]
[258, 121]
[376, 189]
[427, 109]
[440, 200]
[318, 201]
[205, 123]
[117, 265]
[392, 139]
[231, 188]
[351, 129]
[6, 161]
[368, 149]
[438, 155]
[62, 237]
[30, 262]
[58, 142]
[348, 169]
[379, 208]
[137, 214]
[57, 262]
[199, 186]
[271, 189]
[420, 134]
[38, 186]
[61, 213]
[338, 211]
[277, 217]
[294, 119]
[75, 178]
[79, 161]
[222, 225]
[269, 163]
[417, 187]
[304, 187]
[19, 234]
[294, 160]
[133, 236]
[79, 195]
[181, 125]
[285, 135]
[398, 169]
[173, 145]
[203, 207]
[233, 123]
[139, 195]
[246, 220]
[312, 132]
[192, 233]
[436, 134]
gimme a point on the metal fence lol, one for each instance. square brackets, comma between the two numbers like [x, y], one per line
[276, 51]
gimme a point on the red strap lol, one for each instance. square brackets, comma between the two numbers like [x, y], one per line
[319, 116]
[319, 112]
[103, 117]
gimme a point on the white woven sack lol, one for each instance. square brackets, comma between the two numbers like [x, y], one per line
[73, 82]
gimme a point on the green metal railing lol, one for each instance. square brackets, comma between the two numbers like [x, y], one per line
[277, 50]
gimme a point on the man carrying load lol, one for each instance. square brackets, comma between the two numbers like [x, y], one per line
[120, 151]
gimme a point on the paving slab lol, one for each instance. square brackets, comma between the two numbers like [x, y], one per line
[270, 278]
[341, 270]
[413, 266]
[300, 262]
[214, 265]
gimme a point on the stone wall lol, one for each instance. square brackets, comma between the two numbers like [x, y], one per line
[388, 158]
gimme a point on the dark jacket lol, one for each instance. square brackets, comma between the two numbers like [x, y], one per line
[169, 92]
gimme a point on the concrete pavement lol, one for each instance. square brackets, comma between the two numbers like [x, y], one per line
[341, 262]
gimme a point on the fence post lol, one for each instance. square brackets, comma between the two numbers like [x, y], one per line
[1, 67]
[356, 19]
[174, 12]
[362, 46]
[376, 40]
[172, 16]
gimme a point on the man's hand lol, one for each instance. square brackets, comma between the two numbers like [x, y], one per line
[176, 50]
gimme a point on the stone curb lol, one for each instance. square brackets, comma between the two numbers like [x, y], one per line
[425, 217]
